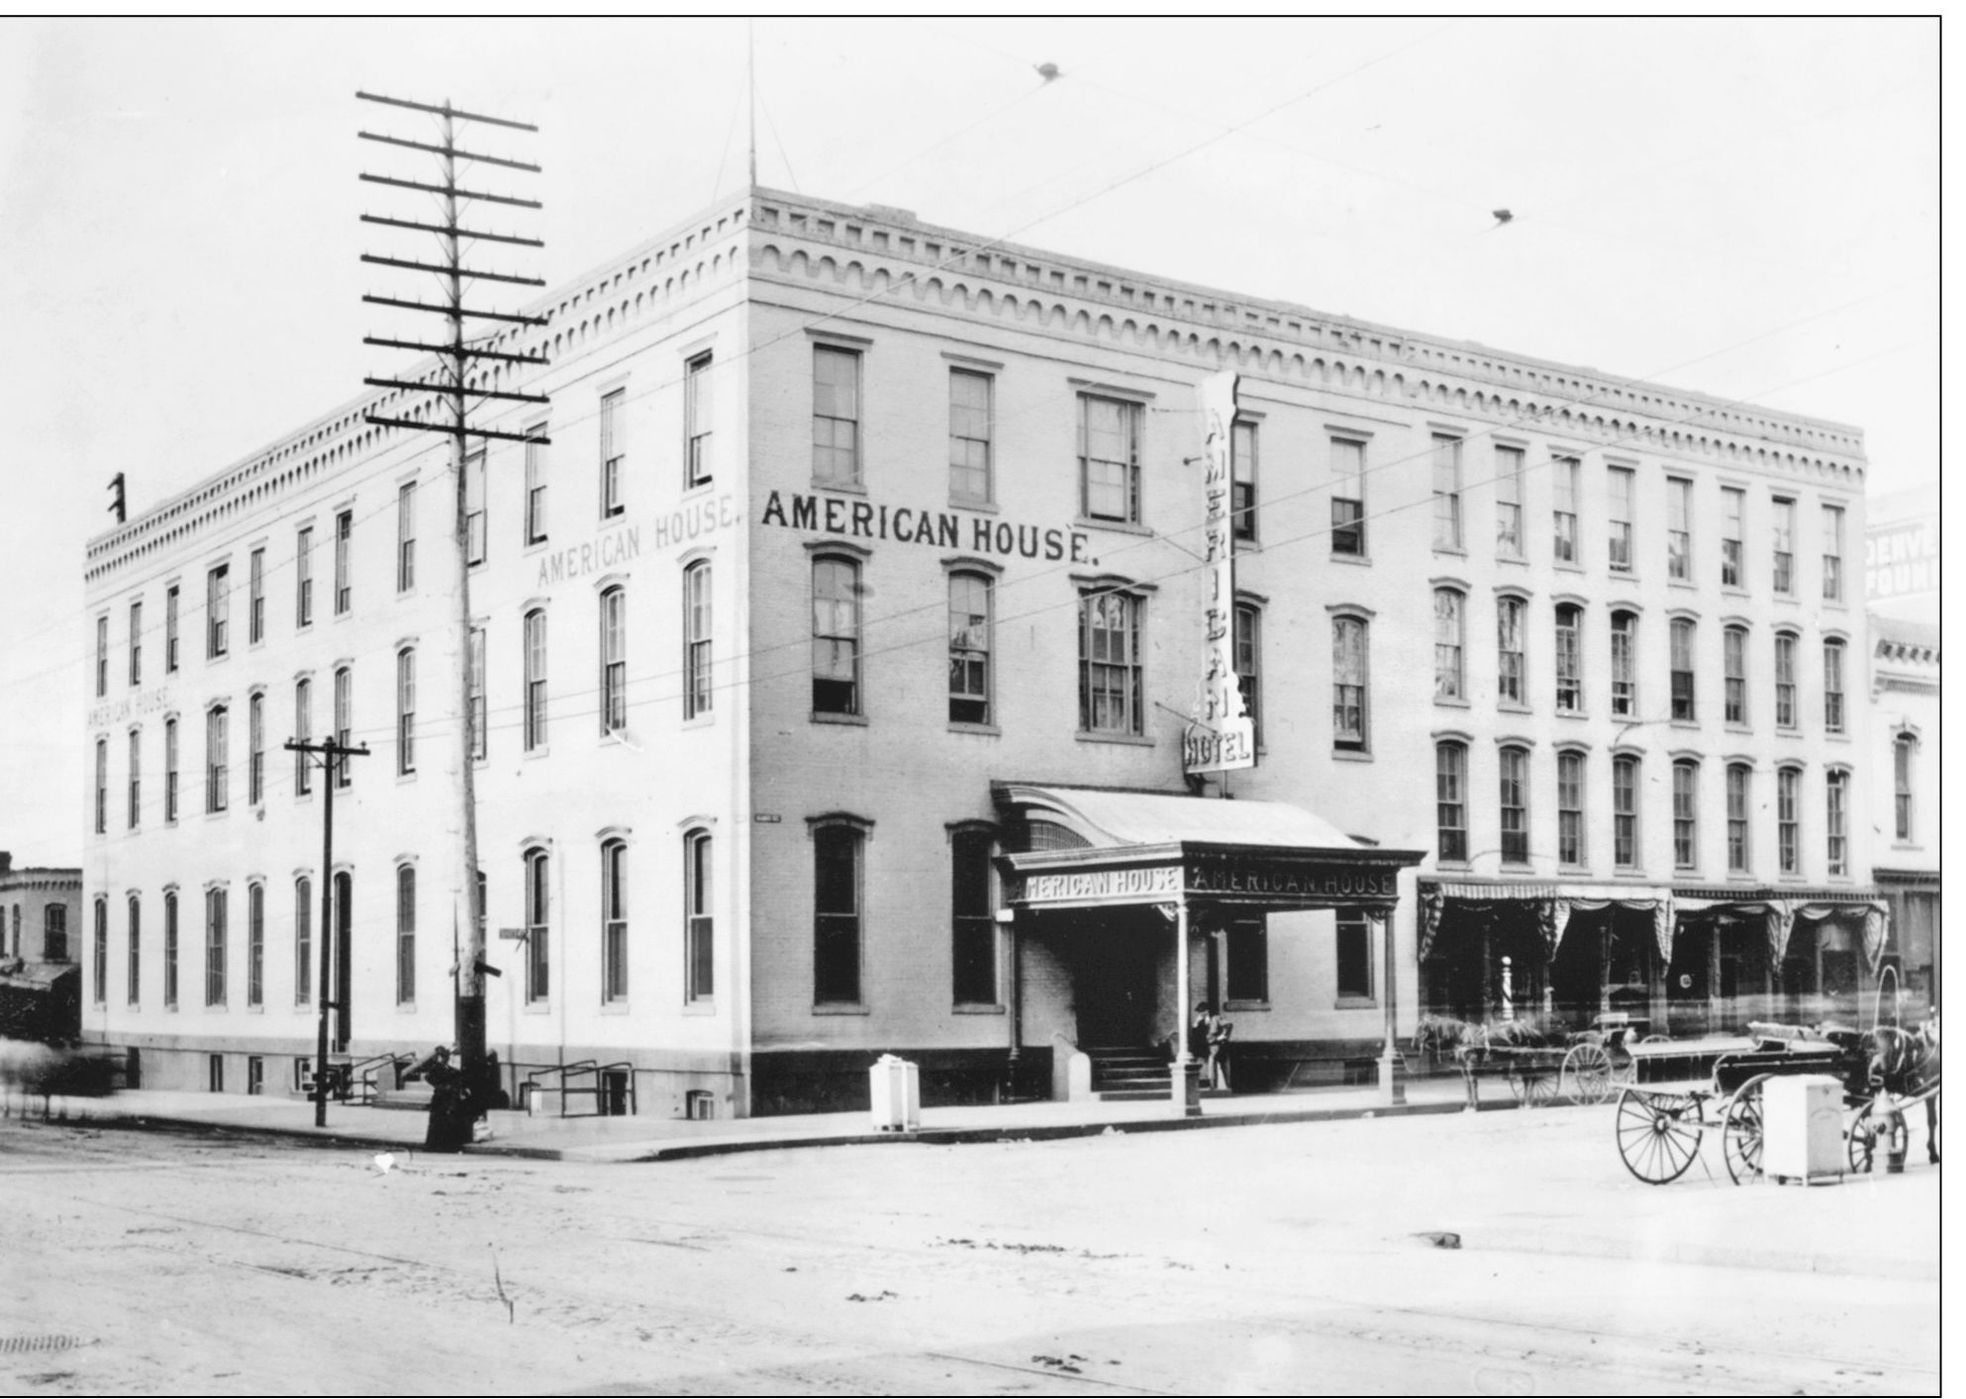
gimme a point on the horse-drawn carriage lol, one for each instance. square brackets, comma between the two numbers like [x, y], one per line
[1885, 1072]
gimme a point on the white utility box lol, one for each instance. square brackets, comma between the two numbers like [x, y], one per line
[896, 1091]
[1802, 1128]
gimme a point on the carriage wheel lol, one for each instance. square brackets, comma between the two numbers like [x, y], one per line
[1860, 1141]
[1658, 1133]
[1588, 1072]
[1740, 1128]
[1533, 1087]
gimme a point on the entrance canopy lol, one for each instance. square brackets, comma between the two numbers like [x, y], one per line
[1092, 848]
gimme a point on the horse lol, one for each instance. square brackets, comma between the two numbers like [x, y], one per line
[1905, 1064]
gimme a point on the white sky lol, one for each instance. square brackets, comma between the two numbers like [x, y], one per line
[1745, 208]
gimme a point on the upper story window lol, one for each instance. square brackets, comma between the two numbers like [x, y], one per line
[256, 748]
[1685, 815]
[1832, 553]
[1508, 502]
[1111, 693]
[1109, 459]
[102, 655]
[1242, 477]
[170, 769]
[835, 636]
[1624, 811]
[1348, 497]
[1570, 808]
[1836, 817]
[405, 935]
[536, 464]
[1679, 527]
[1624, 664]
[699, 915]
[1350, 693]
[1450, 676]
[344, 532]
[969, 648]
[972, 921]
[535, 668]
[1904, 749]
[1733, 534]
[1833, 686]
[614, 451]
[835, 416]
[1683, 634]
[1734, 667]
[303, 731]
[1514, 794]
[1248, 646]
[406, 536]
[344, 723]
[1785, 710]
[1788, 819]
[475, 694]
[406, 710]
[215, 946]
[1569, 658]
[99, 958]
[1782, 536]
[1451, 800]
[539, 901]
[136, 643]
[1564, 473]
[1511, 663]
[170, 628]
[970, 430]
[218, 611]
[1619, 484]
[102, 785]
[304, 577]
[476, 527]
[54, 933]
[697, 693]
[1447, 492]
[836, 905]
[256, 597]
[698, 466]
[170, 949]
[136, 777]
[134, 973]
[217, 772]
[614, 921]
[1739, 784]
[614, 660]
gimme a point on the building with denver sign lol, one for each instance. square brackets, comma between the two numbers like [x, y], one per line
[913, 643]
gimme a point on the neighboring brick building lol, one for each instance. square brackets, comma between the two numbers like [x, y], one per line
[832, 668]
[1904, 678]
[40, 932]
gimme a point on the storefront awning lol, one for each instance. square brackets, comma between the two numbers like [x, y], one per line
[1096, 847]
[1552, 903]
[1780, 909]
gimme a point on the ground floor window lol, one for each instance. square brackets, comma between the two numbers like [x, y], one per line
[973, 929]
[1247, 961]
[1354, 955]
[836, 931]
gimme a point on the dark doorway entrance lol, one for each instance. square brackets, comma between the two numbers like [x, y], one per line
[1115, 986]
[344, 960]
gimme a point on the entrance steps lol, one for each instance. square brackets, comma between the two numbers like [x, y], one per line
[1129, 1074]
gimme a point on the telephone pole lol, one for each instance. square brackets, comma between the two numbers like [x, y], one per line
[451, 382]
[332, 753]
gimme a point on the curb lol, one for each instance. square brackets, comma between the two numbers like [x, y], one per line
[1717, 1256]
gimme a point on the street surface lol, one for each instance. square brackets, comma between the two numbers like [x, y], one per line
[1287, 1259]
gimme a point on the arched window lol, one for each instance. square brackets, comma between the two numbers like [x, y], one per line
[1904, 749]
[136, 776]
[614, 660]
[405, 935]
[1624, 811]
[1570, 828]
[1788, 818]
[535, 697]
[217, 775]
[696, 639]
[1833, 686]
[134, 951]
[256, 748]
[1740, 792]
[970, 644]
[1514, 805]
[1624, 664]
[303, 733]
[1450, 681]
[699, 919]
[1569, 658]
[170, 949]
[216, 915]
[614, 920]
[1682, 640]
[1734, 651]
[1785, 710]
[835, 635]
[1451, 800]
[406, 710]
[255, 944]
[344, 721]
[99, 955]
[303, 940]
[102, 785]
[539, 904]
[1511, 662]
[1836, 818]
[1685, 814]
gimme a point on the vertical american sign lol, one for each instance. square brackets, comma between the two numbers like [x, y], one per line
[1221, 735]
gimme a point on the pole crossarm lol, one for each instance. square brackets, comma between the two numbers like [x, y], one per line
[449, 151]
[452, 191]
[401, 304]
[483, 235]
[447, 388]
[450, 429]
[475, 273]
[465, 350]
[445, 111]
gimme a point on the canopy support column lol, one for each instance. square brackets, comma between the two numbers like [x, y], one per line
[1182, 1080]
[1392, 1068]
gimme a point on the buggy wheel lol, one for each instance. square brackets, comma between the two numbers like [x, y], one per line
[1860, 1141]
[1740, 1128]
[1533, 1085]
[1658, 1133]
[1587, 1073]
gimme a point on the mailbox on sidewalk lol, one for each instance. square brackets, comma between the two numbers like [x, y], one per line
[896, 1092]
[1802, 1128]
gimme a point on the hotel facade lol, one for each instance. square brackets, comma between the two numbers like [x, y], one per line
[831, 666]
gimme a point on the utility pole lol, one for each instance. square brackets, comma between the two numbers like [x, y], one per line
[332, 754]
[451, 382]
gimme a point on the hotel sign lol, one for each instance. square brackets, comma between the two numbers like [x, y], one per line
[1222, 735]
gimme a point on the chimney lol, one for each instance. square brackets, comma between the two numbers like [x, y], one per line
[6, 861]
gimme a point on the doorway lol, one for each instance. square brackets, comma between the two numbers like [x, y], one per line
[1115, 960]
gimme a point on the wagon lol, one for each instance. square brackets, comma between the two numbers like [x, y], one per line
[1589, 1066]
[1659, 1127]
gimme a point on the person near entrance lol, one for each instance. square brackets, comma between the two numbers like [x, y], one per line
[1208, 1044]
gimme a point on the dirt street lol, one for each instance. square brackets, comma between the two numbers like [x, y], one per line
[1283, 1259]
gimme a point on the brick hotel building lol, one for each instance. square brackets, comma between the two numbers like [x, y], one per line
[830, 670]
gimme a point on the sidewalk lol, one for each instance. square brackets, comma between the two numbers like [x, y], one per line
[630, 1139]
